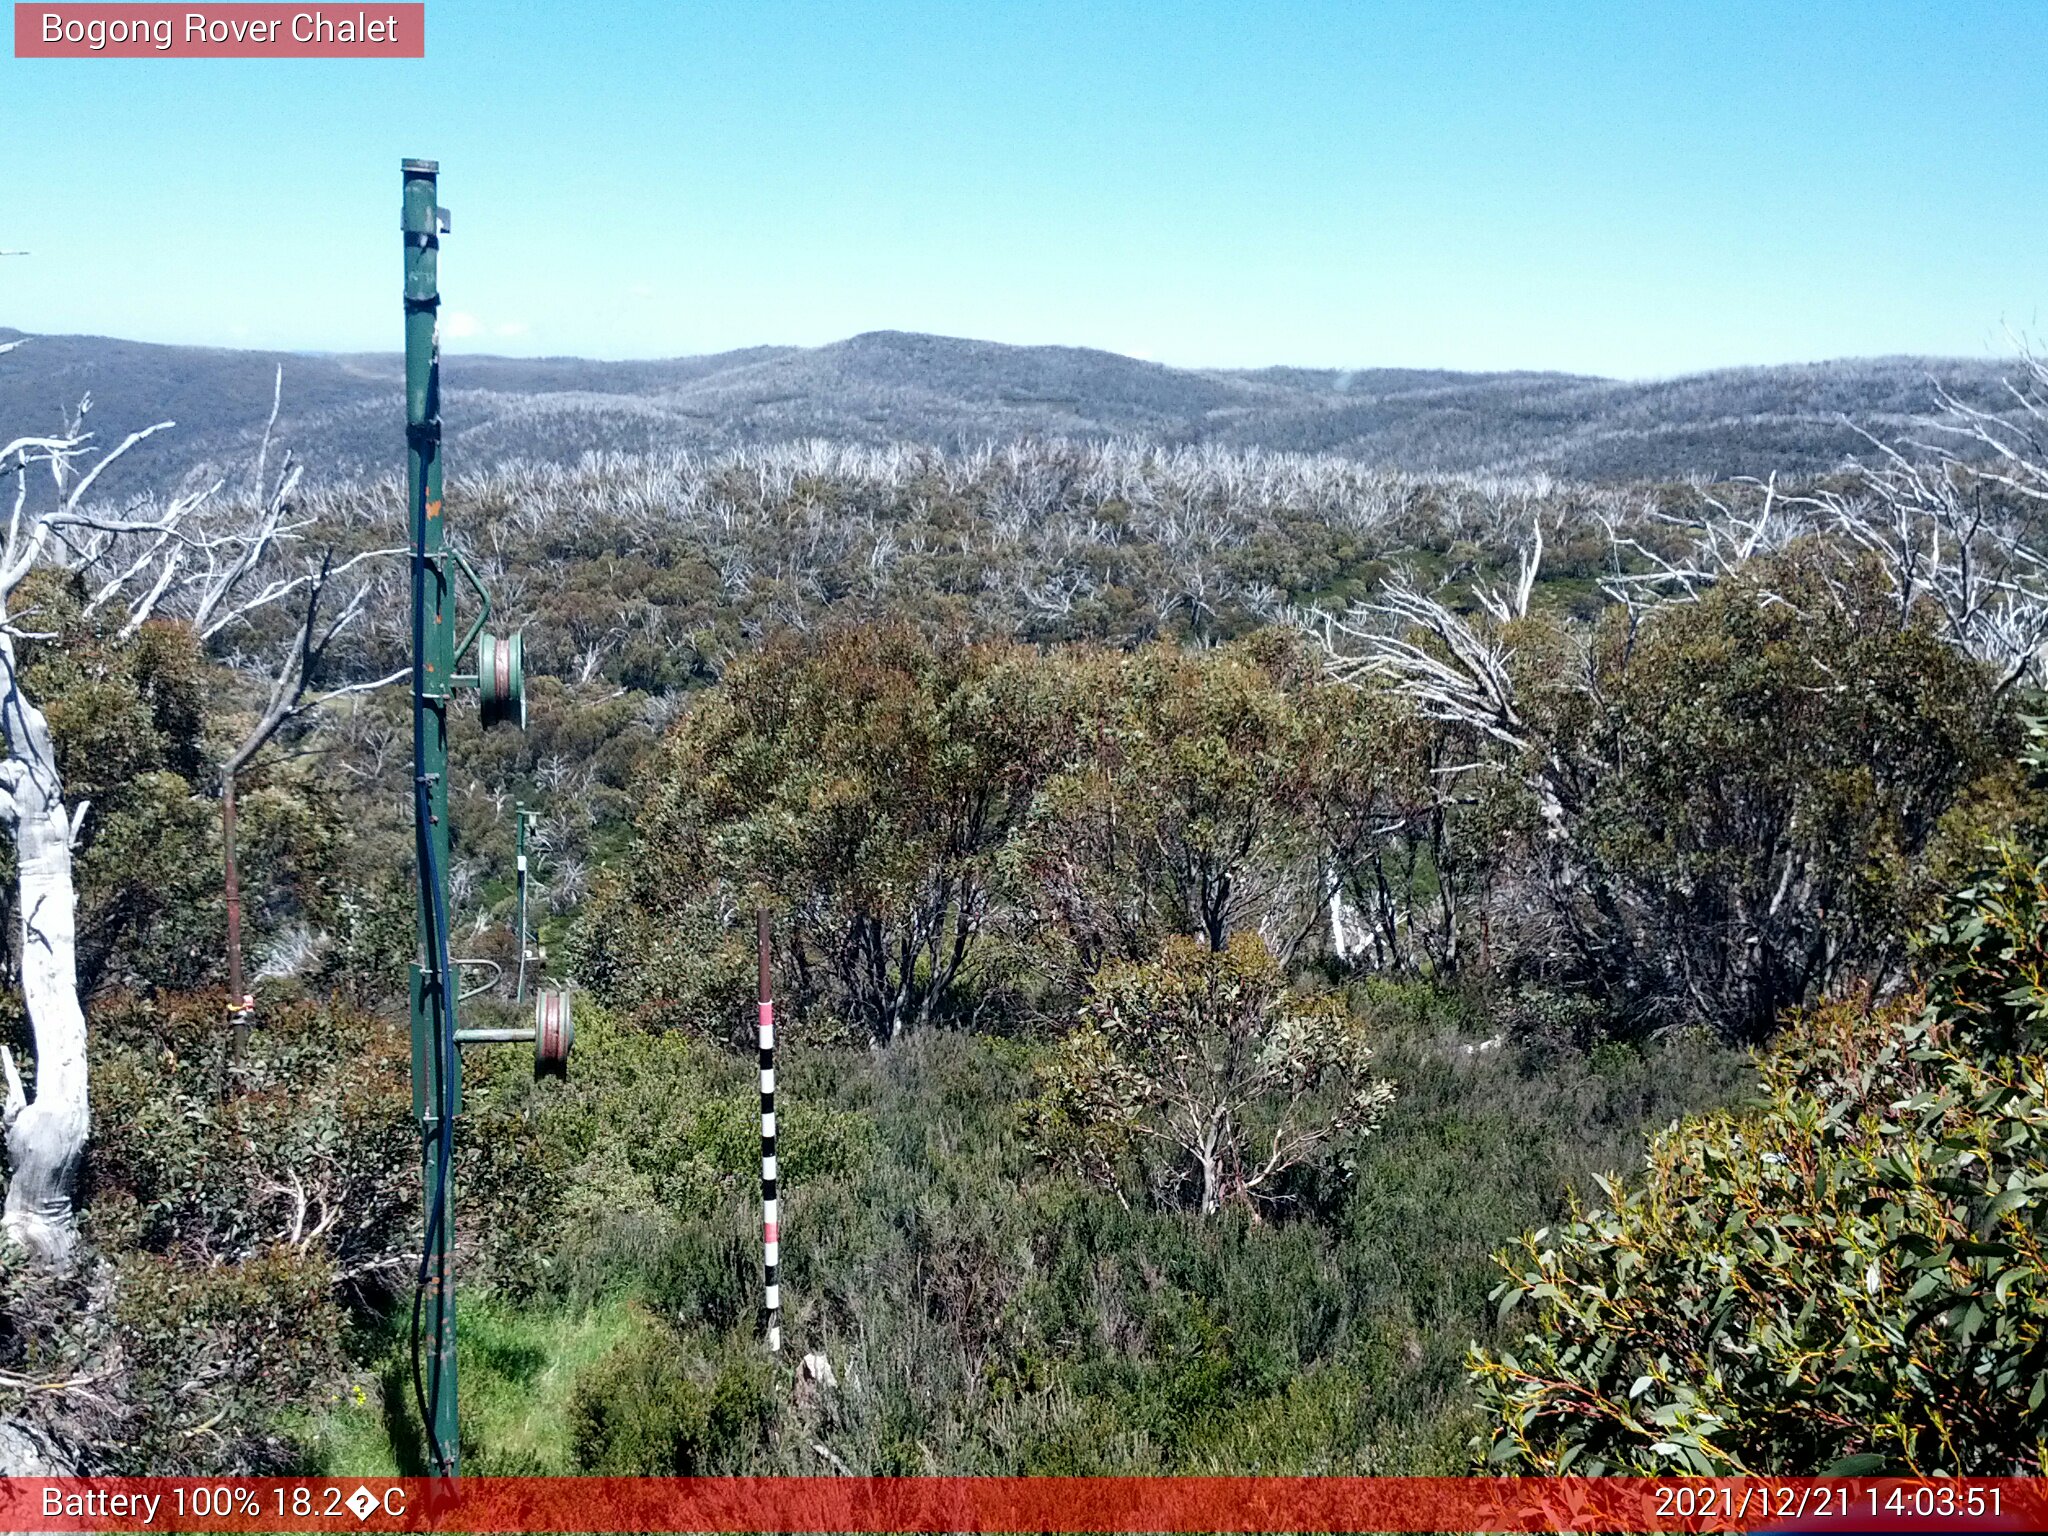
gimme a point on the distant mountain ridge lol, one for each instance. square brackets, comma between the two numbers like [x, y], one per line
[341, 411]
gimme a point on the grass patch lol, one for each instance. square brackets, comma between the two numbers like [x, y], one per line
[517, 1368]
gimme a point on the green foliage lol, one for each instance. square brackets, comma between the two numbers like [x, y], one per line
[985, 1316]
[1854, 1268]
[642, 1412]
[1205, 1055]
[1985, 958]
[229, 1224]
[135, 723]
[304, 1140]
[686, 965]
[960, 833]
[865, 784]
[652, 1130]
[374, 939]
[1755, 785]
[958, 829]
[126, 718]
[217, 1360]
[1190, 804]
[1231, 789]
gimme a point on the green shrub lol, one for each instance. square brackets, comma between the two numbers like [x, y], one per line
[866, 780]
[582, 1186]
[709, 1274]
[1203, 1065]
[1986, 957]
[238, 1207]
[306, 1139]
[1758, 787]
[642, 1412]
[1850, 1273]
[219, 1361]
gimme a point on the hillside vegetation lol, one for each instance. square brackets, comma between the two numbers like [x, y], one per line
[1286, 967]
[888, 387]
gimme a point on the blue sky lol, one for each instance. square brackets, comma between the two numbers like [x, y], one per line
[1631, 189]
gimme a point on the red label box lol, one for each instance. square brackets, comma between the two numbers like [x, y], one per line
[365, 30]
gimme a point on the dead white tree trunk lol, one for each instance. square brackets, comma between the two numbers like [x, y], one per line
[46, 1136]
[130, 553]
[1340, 946]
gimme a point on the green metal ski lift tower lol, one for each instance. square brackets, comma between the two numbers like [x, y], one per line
[500, 684]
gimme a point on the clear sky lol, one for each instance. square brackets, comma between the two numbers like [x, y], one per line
[1632, 189]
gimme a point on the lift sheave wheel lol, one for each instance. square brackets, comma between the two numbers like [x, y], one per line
[501, 679]
[553, 1032]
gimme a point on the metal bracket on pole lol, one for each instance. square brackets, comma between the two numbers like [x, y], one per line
[483, 603]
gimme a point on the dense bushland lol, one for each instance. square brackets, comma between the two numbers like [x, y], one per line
[1753, 790]
[983, 1311]
[1184, 1003]
[1204, 1071]
[239, 1212]
[1714, 813]
[1849, 1274]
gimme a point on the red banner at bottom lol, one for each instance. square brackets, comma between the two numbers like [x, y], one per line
[1047, 1504]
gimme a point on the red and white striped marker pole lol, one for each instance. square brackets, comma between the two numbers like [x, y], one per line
[771, 1226]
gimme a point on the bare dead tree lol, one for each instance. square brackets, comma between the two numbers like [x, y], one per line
[1451, 667]
[1506, 605]
[297, 688]
[58, 526]
[1950, 521]
[1457, 670]
[1720, 541]
[190, 558]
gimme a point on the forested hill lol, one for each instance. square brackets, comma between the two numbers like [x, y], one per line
[888, 386]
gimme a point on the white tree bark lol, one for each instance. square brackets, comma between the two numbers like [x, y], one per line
[139, 559]
[1339, 941]
[46, 1135]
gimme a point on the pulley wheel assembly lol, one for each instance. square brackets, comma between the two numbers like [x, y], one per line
[501, 679]
[553, 1032]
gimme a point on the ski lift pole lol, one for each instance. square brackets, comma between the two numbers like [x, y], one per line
[500, 684]
[436, 1062]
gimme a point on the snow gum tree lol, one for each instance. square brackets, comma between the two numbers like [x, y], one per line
[1205, 1060]
[132, 559]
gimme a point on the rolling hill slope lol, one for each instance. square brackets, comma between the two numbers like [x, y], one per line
[341, 412]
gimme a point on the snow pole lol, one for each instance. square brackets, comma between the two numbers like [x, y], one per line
[771, 1224]
[523, 818]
